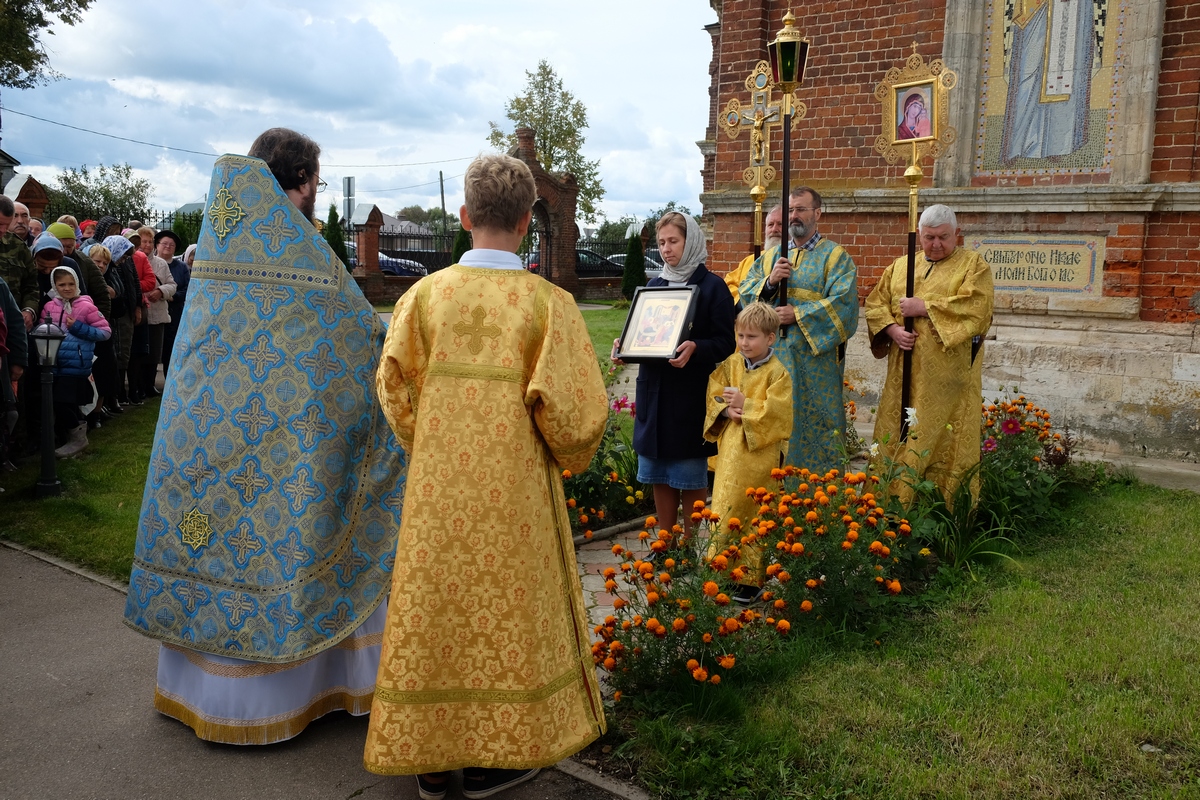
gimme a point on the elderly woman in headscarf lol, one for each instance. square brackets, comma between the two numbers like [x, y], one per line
[668, 431]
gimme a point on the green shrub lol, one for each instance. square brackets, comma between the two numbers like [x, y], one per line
[635, 267]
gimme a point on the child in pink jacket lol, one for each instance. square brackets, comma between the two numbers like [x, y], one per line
[85, 325]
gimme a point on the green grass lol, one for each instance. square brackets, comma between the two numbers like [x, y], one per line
[1044, 680]
[94, 521]
[604, 326]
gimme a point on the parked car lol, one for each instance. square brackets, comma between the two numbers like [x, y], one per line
[389, 265]
[591, 264]
[651, 266]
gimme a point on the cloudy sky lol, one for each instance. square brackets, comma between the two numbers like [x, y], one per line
[382, 86]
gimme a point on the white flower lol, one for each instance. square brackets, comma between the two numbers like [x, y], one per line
[910, 417]
[874, 449]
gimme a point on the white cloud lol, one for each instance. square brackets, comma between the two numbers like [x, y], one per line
[374, 83]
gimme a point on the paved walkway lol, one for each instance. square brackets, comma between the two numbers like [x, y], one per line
[77, 720]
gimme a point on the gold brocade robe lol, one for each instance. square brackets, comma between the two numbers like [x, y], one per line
[749, 448]
[490, 382]
[947, 385]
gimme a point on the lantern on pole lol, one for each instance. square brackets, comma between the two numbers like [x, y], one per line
[46, 338]
[789, 58]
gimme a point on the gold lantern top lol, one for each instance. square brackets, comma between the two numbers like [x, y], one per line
[789, 55]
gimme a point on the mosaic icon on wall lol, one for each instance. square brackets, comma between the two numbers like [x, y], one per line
[1050, 87]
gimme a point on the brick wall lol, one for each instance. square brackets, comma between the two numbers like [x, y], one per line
[834, 145]
[1170, 278]
[1177, 117]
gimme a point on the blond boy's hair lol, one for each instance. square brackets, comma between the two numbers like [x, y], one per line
[759, 316]
[99, 252]
[500, 191]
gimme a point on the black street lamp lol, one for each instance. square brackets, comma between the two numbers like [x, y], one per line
[47, 337]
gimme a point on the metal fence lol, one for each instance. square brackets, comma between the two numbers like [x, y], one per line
[186, 224]
[431, 251]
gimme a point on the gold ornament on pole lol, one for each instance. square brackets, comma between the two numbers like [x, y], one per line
[916, 124]
[764, 113]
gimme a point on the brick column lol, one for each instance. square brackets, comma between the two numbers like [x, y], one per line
[368, 242]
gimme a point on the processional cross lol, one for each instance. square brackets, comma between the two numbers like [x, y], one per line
[764, 113]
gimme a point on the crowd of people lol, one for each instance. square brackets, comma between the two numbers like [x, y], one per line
[121, 297]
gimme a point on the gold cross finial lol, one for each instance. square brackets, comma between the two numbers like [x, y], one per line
[914, 47]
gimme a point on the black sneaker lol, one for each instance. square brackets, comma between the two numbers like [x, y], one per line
[746, 594]
[428, 790]
[479, 782]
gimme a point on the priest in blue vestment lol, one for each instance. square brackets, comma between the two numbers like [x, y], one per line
[820, 315]
[272, 504]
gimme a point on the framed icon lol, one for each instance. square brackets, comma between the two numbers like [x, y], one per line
[660, 319]
[913, 115]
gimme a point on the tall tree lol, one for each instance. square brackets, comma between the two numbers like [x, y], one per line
[635, 267]
[335, 236]
[105, 190]
[560, 121]
[23, 59]
[462, 243]
[414, 214]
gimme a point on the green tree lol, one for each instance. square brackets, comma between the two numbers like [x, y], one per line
[437, 224]
[635, 267]
[462, 243]
[614, 229]
[23, 59]
[335, 236]
[106, 190]
[560, 121]
[415, 214]
[187, 227]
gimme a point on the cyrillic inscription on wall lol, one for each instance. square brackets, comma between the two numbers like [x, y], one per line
[1043, 263]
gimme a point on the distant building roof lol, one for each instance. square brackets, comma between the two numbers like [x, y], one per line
[189, 208]
[390, 223]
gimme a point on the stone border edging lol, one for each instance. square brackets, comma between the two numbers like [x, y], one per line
[611, 531]
[69, 567]
[621, 789]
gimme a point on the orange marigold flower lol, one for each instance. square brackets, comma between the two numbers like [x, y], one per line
[566, 473]
[847, 545]
[707, 638]
[692, 664]
[587, 534]
[852, 535]
[658, 546]
[571, 503]
[811, 516]
[784, 576]
[811, 583]
[679, 625]
[618, 604]
[711, 588]
[732, 625]
[806, 606]
[721, 599]
[797, 549]
[738, 573]
[610, 585]
[583, 519]
[714, 680]
[780, 604]
[651, 598]
[651, 522]
[609, 572]
[664, 577]
[637, 619]
[669, 563]
[720, 562]
[767, 596]
[894, 587]
[773, 568]
[700, 674]
[610, 663]
[616, 697]
[626, 625]
[905, 529]
[783, 626]
[617, 549]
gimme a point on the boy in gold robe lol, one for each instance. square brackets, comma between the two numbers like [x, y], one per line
[952, 307]
[490, 382]
[750, 419]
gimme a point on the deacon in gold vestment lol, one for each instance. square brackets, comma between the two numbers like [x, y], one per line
[752, 440]
[952, 304]
[490, 382]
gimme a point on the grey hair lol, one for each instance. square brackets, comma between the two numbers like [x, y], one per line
[937, 216]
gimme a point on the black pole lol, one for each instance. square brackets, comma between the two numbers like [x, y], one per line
[782, 300]
[442, 186]
[48, 484]
[906, 375]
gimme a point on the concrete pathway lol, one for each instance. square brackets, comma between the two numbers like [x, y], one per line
[77, 720]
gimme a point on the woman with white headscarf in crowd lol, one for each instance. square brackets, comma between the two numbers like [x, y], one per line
[668, 432]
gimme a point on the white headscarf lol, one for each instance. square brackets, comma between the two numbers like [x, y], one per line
[693, 254]
[54, 290]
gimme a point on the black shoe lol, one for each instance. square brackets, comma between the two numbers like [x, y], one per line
[136, 400]
[746, 594]
[428, 790]
[153, 392]
[479, 782]
[114, 409]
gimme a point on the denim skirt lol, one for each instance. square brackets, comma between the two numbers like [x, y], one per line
[679, 473]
